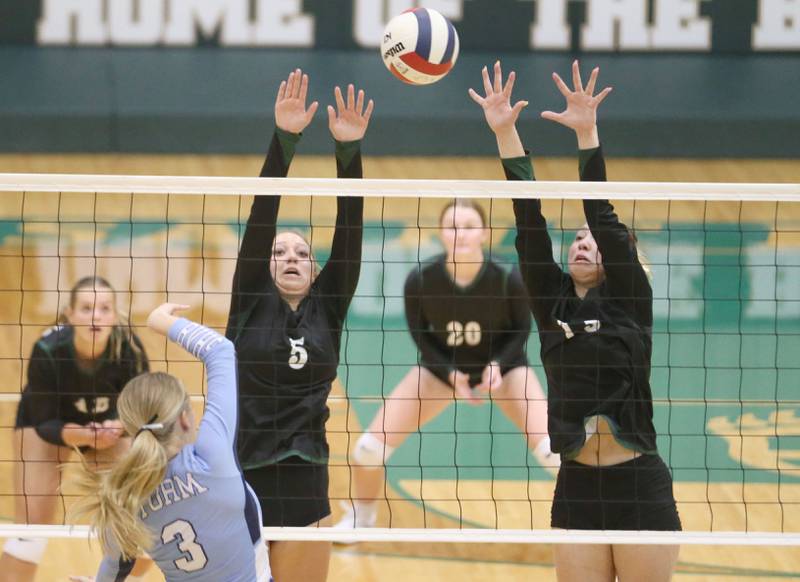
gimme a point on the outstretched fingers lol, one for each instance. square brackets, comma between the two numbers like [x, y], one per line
[337, 95]
[507, 92]
[475, 97]
[290, 82]
[349, 118]
[360, 101]
[561, 85]
[498, 78]
[303, 90]
[294, 87]
[592, 81]
[281, 93]
[487, 84]
[577, 84]
[509, 88]
[312, 109]
[518, 107]
[601, 95]
[552, 116]
[298, 83]
[368, 112]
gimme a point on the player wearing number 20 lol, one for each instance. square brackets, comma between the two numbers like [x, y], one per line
[470, 321]
[178, 494]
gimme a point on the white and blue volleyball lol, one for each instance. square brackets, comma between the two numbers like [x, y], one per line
[419, 46]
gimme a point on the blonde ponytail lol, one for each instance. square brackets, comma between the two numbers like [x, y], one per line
[112, 499]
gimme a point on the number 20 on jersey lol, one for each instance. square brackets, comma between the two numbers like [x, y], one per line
[463, 333]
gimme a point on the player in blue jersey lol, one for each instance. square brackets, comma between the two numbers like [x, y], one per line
[178, 494]
[75, 374]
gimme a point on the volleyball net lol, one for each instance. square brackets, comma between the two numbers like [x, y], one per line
[725, 261]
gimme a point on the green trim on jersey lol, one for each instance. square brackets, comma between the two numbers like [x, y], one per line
[288, 142]
[521, 167]
[346, 151]
[282, 456]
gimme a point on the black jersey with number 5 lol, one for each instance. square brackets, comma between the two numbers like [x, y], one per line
[60, 390]
[596, 350]
[287, 360]
[466, 328]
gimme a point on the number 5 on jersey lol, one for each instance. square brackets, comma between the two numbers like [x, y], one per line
[298, 356]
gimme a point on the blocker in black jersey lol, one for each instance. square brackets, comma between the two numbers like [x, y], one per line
[288, 359]
[61, 391]
[596, 350]
[466, 328]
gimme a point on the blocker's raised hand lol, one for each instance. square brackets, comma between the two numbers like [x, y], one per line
[291, 113]
[496, 103]
[349, 121]
[581, 112]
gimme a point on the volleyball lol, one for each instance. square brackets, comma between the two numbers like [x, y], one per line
[419, 46]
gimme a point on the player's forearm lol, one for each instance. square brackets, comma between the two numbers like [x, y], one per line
[280, 154]
[348, 159]
[347, 238]
[588, 139]
[509, 144]
[219, 356]
[77, 435]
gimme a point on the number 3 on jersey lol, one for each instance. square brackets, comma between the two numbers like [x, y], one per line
[298, 356]
[183, 531]
[459, 333]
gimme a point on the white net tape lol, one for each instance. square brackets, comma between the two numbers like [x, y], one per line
[722, 192]
[466, 536]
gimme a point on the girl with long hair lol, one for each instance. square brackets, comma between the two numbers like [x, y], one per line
[75, 374]
[595, 325]
[469, 319]
[178, 493]
[286, 319]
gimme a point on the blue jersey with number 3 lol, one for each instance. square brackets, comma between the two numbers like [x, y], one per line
[205, 519]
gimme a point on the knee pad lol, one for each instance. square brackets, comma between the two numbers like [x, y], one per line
[370, 452]
[26, 549]
[548, 460]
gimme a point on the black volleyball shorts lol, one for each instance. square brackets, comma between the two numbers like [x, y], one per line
[635, 495]
[293, 492]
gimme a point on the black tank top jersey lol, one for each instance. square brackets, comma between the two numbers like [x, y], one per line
[596, 351]
[59, 391]
[466, 328]
[287, 360]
